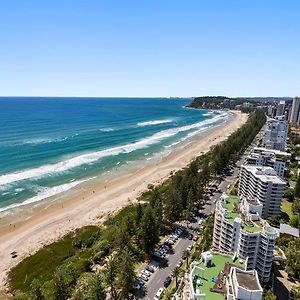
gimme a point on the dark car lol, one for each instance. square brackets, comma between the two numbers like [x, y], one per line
[167, 281]
[150, 269]
[190, 237]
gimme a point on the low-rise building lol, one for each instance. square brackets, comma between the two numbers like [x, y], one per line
[262, 184]
[239, 230]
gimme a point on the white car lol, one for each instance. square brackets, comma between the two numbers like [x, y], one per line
[144, 277]
[159, 294]
[189, 248]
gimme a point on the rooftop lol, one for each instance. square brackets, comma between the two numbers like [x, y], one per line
[265, 174]
[210, 273]
[287, 229]
[247, 280]
[231, 206]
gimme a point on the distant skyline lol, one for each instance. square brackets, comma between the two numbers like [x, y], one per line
[151, 48]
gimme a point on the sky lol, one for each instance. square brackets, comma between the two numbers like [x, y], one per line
[149, 48]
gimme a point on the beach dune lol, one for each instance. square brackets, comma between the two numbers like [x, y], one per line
[91, 203]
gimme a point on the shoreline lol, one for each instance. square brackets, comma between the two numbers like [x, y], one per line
[93, 202]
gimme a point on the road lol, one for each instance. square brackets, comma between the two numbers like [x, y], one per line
[156, 280]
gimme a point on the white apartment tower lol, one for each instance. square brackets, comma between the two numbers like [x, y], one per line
[276, 159]
[276, 133]
[262, 184]
[280, 108]
[239, 230]
[294, 117]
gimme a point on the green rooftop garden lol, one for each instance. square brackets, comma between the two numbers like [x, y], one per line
[231, 205]
[207, 283]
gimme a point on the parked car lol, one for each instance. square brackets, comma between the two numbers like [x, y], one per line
[179, 264]
[195, 238]
[147, 273]
[159, 294]
[189, 248]
[167, 281]
[190, 237]
[144, 277]
[150, 269]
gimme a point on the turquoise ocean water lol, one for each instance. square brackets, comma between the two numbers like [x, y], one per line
[50, 145]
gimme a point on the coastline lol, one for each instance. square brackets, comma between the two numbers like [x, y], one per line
[92, 202]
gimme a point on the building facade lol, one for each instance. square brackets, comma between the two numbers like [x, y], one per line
[276, 133]
[276, 159]
[280, 108]
[240, 230]
[294, 115]
[262, 184]
[244, 285]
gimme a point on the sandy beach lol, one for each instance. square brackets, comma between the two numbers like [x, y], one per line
[91, 204]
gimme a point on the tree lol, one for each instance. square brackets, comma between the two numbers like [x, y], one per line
[297, 188]
[172, 207]
[126, 274]
[139, 214]
[110, 275]
[295, 221]
[296, 206]
[176, 274]
[36, 289]
[296, 292]
[268, 295]
[293, 258]
[123, 239]
[149, 234]
[89, 287]
[62, 281]
[289, 194]
[187, 254]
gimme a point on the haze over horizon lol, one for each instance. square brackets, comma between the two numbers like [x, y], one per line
[149, 49]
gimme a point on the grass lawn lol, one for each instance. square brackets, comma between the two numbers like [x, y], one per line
[43, 264]
[286, 207]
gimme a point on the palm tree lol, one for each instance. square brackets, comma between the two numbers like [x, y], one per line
[187, 254]
[177, 273]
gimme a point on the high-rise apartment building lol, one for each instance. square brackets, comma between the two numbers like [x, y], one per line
[240, 230]
[294, 116]
[262, 184]
[276, 133]
[276, 159]
[280, 108]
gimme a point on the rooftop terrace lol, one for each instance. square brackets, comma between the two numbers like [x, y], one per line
[232, 207]
[211, 276]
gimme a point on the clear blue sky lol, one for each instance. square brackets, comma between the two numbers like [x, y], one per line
[150, 48]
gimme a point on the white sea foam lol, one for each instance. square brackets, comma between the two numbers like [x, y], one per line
[38, 141]
[88, 158]
[107, 129]
[45, 193]
[155, 122]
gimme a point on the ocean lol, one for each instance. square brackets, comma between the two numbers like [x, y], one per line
[51, 145]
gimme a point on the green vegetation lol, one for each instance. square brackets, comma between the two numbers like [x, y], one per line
[217, 266]
[61, 270]
[286, 207]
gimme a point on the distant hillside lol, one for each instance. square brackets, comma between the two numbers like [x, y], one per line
[219, 101]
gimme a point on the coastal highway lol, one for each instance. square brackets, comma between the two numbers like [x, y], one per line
[157, 279]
